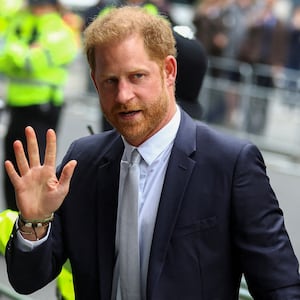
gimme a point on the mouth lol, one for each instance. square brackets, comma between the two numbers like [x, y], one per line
[129, 114]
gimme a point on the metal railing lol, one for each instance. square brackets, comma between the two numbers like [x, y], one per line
[254, 101]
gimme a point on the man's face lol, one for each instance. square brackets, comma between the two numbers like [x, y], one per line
[136, 94]
[42, 8]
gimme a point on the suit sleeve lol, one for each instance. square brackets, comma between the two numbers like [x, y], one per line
[264, 248]
[29, 271]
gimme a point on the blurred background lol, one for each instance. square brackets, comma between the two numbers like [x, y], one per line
[251, 88]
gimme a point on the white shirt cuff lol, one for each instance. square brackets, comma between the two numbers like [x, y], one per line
[26, 245]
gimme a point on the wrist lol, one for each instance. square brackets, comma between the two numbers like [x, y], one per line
[34, 230]
[35, 222]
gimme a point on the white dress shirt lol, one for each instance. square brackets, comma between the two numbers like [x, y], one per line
[155, 153]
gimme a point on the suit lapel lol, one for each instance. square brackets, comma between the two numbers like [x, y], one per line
[177, 177]
[108, 178]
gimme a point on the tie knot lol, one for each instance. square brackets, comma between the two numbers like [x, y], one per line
[135, 157]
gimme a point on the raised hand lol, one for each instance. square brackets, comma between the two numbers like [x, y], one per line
[38, 191]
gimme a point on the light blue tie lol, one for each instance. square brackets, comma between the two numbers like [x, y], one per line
[129, 256]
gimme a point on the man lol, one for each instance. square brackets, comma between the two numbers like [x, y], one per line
[191, 68]
[101, 8]
[36, 50]
[206, 212]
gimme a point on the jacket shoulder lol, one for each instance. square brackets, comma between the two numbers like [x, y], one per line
[210, 135]
[218, 146]
[94, 147]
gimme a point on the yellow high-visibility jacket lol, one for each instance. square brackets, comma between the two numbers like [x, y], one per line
[34, 54]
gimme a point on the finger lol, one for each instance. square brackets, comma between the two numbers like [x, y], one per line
[50, 154]
[11, 172]
[21, 158]
[32, 147]
[67, 174]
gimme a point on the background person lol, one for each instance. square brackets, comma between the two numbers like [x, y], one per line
[265, 47]
[207, 212]
[37, 47]
[192, 65]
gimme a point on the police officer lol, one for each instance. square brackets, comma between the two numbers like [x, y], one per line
[35, 51]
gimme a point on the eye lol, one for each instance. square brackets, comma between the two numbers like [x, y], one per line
[138, 76]
[110, 82]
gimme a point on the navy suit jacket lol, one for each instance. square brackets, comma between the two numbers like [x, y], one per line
[218, 217]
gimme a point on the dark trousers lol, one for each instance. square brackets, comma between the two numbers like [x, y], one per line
[41, 118]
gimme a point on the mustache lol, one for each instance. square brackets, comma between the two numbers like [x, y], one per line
[124, 108]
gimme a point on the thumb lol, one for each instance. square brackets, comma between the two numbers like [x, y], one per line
[66, 175]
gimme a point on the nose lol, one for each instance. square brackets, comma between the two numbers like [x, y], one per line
[124, 91]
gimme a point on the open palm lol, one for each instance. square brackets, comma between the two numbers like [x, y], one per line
[38, 191]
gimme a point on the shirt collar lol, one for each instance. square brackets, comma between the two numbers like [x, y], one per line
[158, 143]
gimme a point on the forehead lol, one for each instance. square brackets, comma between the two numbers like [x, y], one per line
[132, 45]
[123, 56]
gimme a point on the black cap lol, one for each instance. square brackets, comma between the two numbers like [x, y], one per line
[41, 2]
[192, 66]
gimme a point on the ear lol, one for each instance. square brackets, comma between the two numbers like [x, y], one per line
[170, 69]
